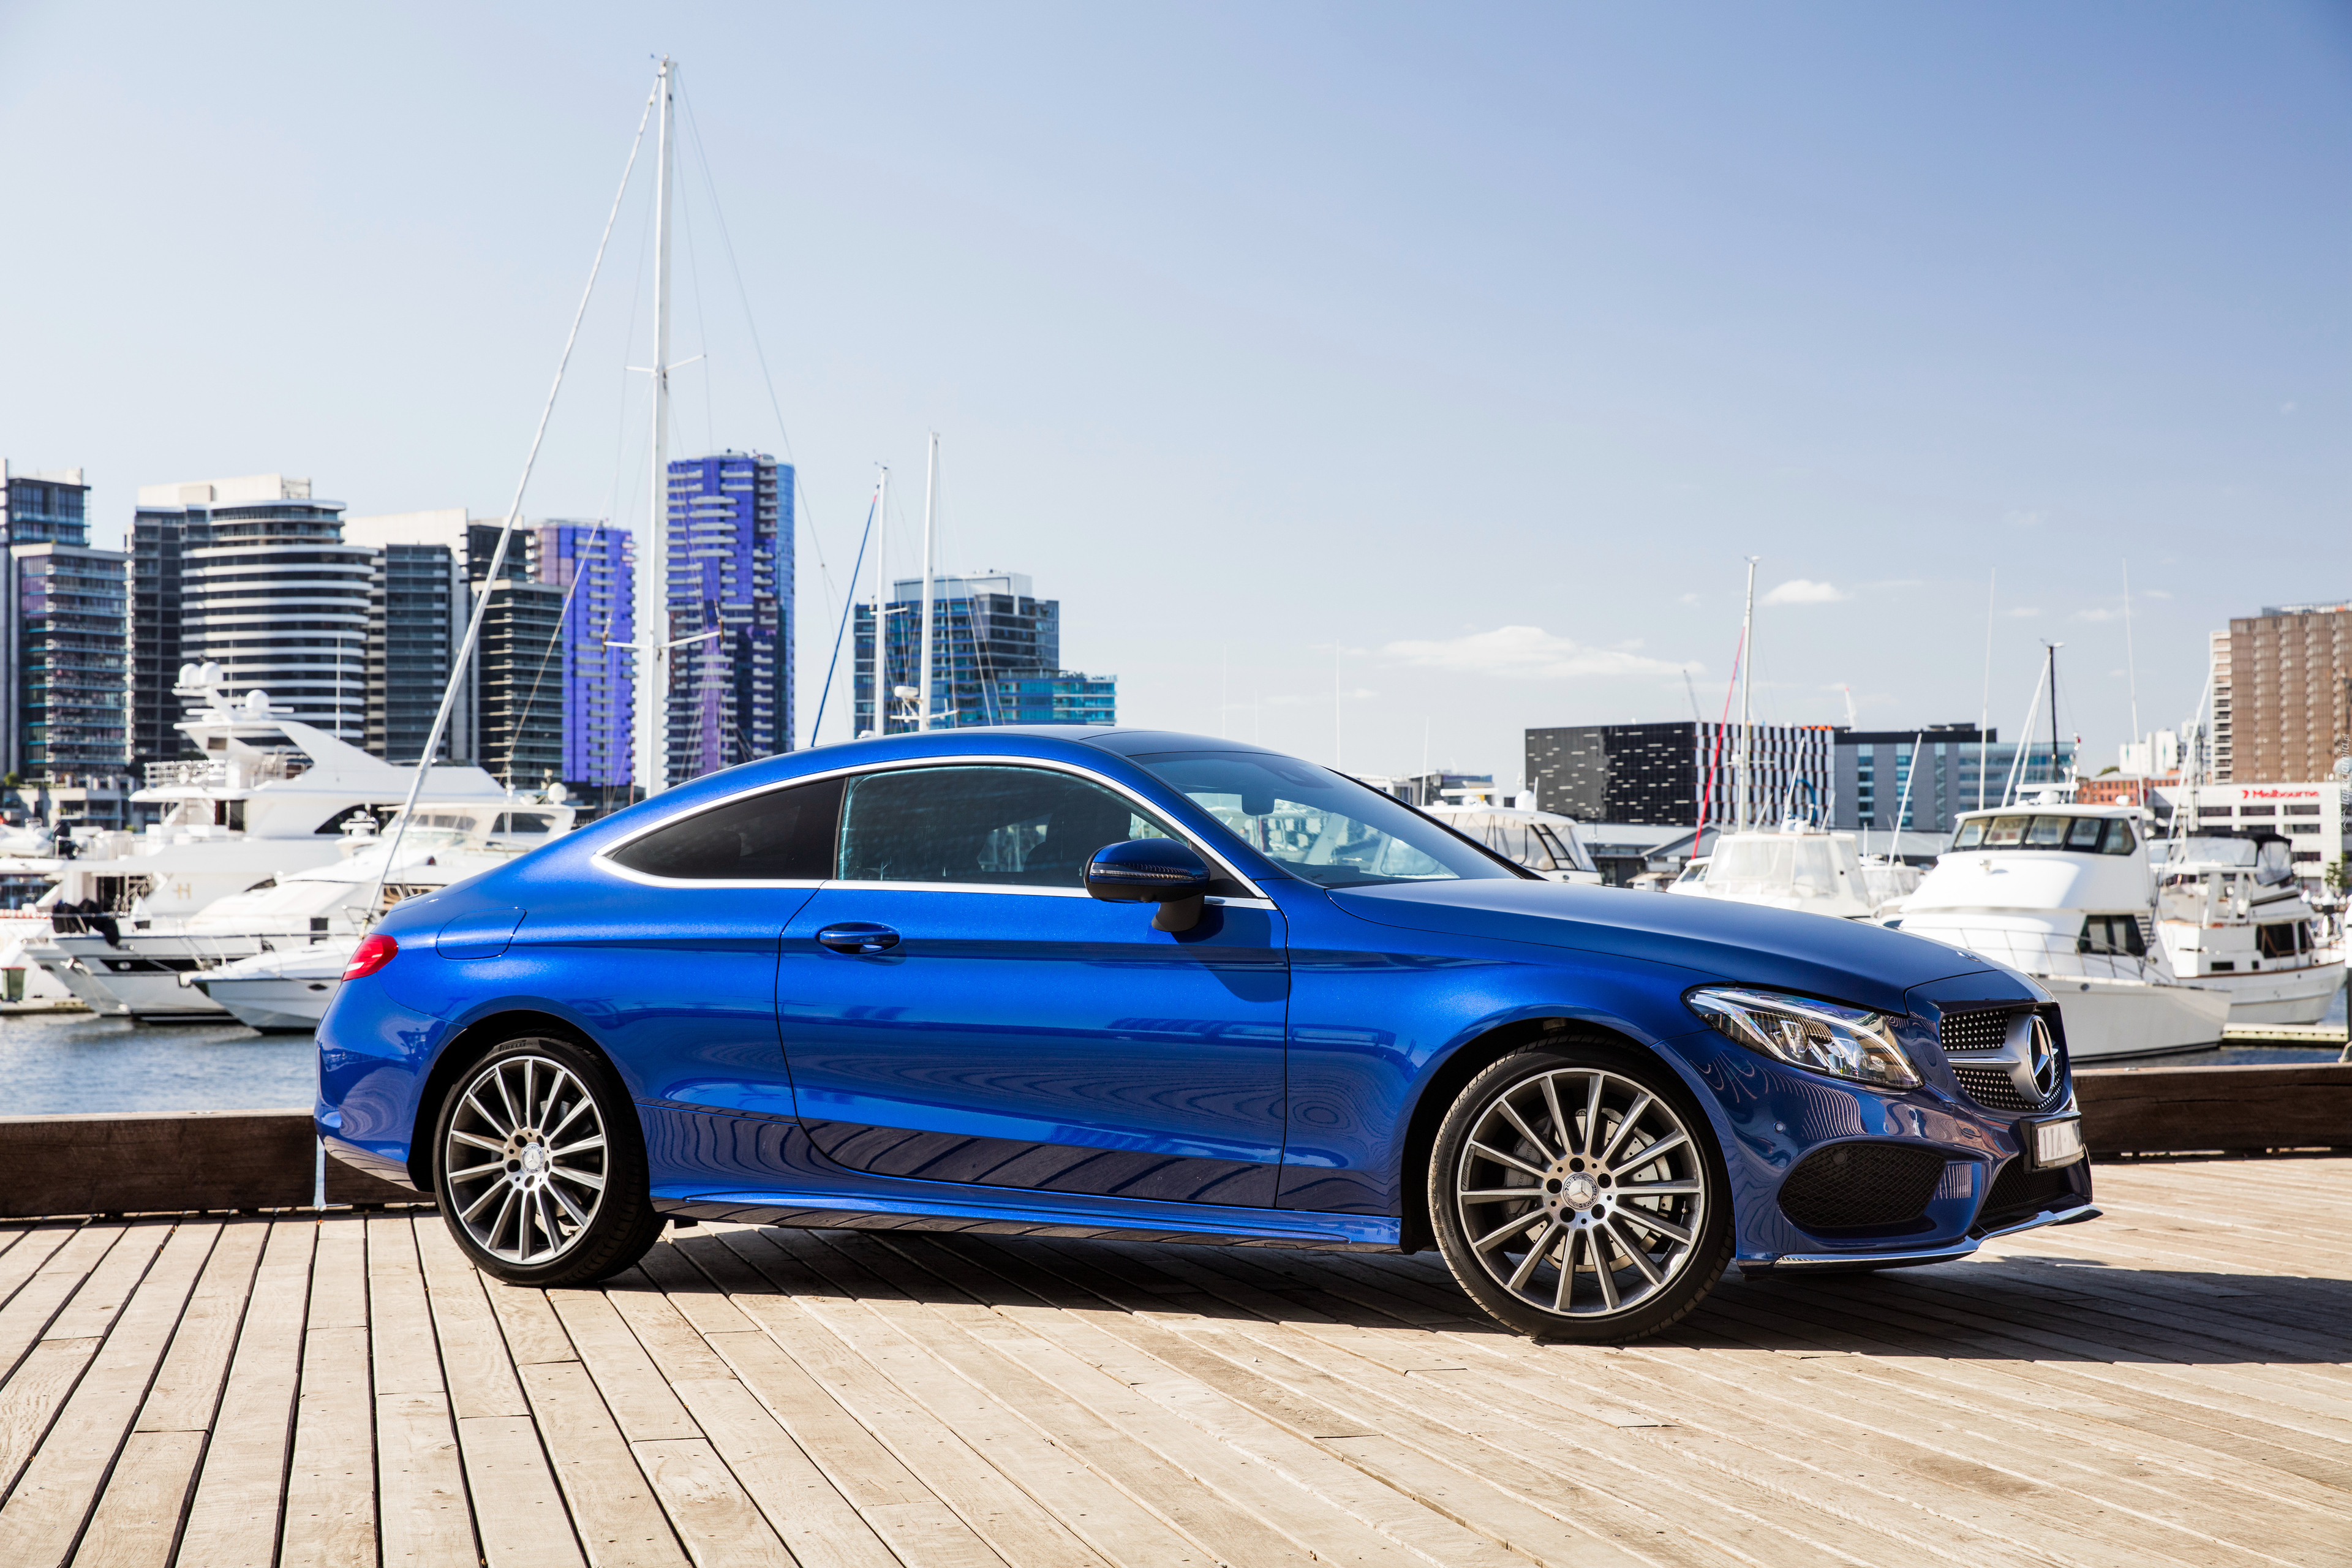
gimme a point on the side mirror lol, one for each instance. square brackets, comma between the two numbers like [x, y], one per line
[1151, 871]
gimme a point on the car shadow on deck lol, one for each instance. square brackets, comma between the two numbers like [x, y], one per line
[2011, 1309]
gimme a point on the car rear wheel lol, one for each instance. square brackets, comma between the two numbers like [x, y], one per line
[542, 1169]
[1577, 1195]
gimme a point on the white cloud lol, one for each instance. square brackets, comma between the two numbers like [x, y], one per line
[2287, 408]
[1686, 598]
[2023, 612]
[2023, 520]
[2154, 594]
[1803, 591]
[1529, 653]
[2102, 614]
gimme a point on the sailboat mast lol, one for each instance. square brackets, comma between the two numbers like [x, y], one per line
[930, 516]
[653, 565]
[1747, 710]
[881, 621]
[2053, 711]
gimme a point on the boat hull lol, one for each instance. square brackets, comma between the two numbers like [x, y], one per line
[272, 1004]
[2108, 1019]
[2280, 997]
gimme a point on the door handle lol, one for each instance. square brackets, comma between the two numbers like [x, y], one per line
[857, 936]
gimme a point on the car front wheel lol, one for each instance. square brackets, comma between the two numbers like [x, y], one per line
[541, 1171]
[1577, 1195]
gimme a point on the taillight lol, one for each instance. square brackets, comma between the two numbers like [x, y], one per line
[372, 954]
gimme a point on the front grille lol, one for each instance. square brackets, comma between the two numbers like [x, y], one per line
[1854, 1187]
[2019, 1192]
[1982, 1030]
[1991, 1087]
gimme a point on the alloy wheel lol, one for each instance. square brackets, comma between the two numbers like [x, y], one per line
[526, 1159]
[1581, 1193]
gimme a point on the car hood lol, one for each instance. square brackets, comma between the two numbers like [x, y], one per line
[1714, 939]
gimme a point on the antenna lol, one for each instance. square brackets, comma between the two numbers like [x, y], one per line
[2131, 665]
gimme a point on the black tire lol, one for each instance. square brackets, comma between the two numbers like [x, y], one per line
[540, 1205]
[1584, 1263]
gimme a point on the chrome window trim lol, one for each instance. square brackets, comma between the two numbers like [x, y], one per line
[602, 860]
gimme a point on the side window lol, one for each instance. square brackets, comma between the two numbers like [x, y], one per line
[1000, 827]
[2119, 838]
[785, 835]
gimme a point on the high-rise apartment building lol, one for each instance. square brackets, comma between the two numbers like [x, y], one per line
[595, 564]
[251, 574]
[996, 658]
[508, 719]
[63, 633]
[2289, 694]
[2220, 761]
[1675, 774]
[731, 570]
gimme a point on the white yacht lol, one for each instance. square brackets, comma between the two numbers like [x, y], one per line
[268, 797]
[2234, 917]
[2066, 893]
[273, 957]
[1542, 842]
[1801, 867]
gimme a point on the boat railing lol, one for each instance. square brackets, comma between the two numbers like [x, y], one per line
[2048, 953]
[213, 772]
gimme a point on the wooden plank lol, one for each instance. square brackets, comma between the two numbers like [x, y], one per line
[32, 1396]
[534, 1334]
[2276, 1105]
[720, 1525]
[620, 1523]
[187, 1388]
[331, 1482]
[473, 1349]
[339, 1274]
[1155, 1522]
[30, 1310]
[917, 1524]
[137, 1521]
[991, 1509]
[45, 1512]
[399, 1323]
[816, 1523]
[169, 1162]
[691, 1292]
[421, 1485]
[1083, 1325]
[33, 1248]
[518, 1511]
[233, 1521]
[1247, 1513]
[675, 1345]
[641, 1402]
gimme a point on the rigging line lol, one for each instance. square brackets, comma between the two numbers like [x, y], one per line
[506, 533]
[531, 702]
[758, 350]
[701, 328]
[826, 692]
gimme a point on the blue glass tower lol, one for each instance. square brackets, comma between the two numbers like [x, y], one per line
[595, 564]
[730, 571]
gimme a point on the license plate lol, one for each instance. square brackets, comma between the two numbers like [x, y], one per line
[2058, 1141]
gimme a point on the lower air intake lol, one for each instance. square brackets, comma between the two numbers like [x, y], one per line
[1861, 1186]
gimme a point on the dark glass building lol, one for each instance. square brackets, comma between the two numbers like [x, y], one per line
[730, 697]
[1677, 774]
[63, 630]
[996, 658]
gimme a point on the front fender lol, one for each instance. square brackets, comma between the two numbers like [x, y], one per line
[1377, 1014]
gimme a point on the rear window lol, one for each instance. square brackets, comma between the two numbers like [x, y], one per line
[785, 835]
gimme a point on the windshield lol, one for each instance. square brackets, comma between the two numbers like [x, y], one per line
[2079, 835]
[1802, 866]
[1316, 825]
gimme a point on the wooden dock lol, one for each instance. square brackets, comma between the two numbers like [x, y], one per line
[2166, 1386]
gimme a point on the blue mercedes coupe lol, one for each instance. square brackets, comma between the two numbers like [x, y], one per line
[1126, 982]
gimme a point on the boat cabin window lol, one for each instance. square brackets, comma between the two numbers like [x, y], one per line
[2282, 939]
[2111, 933]
[523, 822]
[2075, 834]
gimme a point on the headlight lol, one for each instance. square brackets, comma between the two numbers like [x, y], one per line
[1845, 1042]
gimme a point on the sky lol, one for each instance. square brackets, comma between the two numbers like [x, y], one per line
[1373, 381]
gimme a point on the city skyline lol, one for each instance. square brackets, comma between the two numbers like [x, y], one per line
[1470, 362]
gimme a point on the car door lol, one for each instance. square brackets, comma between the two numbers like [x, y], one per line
[955, 1008]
